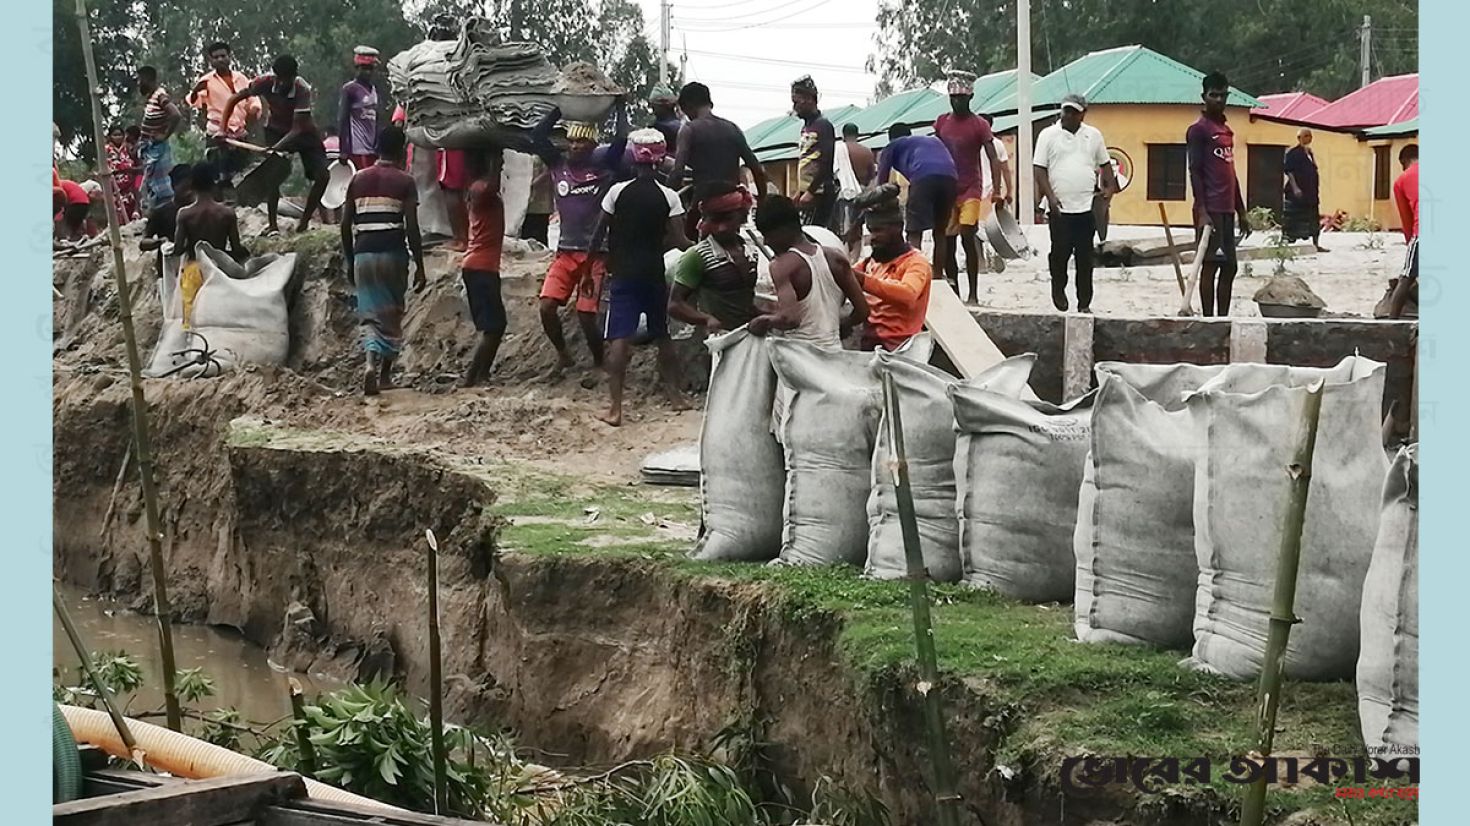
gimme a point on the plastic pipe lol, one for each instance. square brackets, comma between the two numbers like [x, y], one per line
[189, 757]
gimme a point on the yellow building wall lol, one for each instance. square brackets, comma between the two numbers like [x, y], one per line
[1345, 163]
[1385, 211]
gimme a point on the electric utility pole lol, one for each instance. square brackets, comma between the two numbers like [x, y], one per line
[1365, 50]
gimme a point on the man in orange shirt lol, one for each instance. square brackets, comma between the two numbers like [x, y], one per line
[211, 92]
[1406, 196]
[896, 279]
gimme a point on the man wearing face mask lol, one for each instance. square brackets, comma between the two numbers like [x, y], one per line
[896, 279]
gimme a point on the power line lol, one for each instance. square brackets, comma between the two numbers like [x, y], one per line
[818, 4]
[735, 17]
[775, 61]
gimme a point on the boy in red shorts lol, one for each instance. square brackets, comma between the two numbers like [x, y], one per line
[580, 177]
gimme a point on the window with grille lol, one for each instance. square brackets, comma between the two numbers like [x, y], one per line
[1168, 172]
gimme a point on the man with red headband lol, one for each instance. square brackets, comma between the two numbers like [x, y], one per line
[643, 220]
[357, 114]
[719, 272]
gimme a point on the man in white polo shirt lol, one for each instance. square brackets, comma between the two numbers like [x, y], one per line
[1069, 157]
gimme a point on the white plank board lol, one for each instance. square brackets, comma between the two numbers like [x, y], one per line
[960, 336]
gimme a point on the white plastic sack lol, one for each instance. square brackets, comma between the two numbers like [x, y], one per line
[743, 473]
[827, 429]
[515, 190]
[1388, 666]
[433, 208]
[1018, 466]
[240, 311]
[1250, 430]
[1134, 542]
[929, 444]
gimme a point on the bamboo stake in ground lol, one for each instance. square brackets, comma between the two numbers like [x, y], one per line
[123, 732]
[1283, 605]
[436, 683]
[946, 798]
[303, 736]
[1173, 251]
[142, 443]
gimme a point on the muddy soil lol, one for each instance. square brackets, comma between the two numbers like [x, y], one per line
[528, 409]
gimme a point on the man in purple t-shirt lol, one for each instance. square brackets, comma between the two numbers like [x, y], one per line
[580, 177]
[1217, 199]
[925, 161]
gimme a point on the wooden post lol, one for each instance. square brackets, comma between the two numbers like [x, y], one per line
[1283, 603]
[436, 683]
[946, 797]
[142, 442]
[1173, 251]
[1187, 308]
[123, 732]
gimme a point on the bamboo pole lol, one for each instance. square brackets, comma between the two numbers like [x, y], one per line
[1173, 251]
[141, 439]
[303, 736]
[123, 732]
[436, 683]
[1283, 604]
[946, 798]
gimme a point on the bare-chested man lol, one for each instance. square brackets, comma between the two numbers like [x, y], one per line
[206, 219]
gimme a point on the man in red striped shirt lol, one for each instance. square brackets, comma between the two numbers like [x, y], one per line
[161, 118]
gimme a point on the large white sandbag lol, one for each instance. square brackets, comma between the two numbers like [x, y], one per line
[1134, 542]
[240, 311]
[929, 444]
[743, 472]
[1018, 466]
[1240, 495]
[1388, 665]
[515, 189]
[827, 428]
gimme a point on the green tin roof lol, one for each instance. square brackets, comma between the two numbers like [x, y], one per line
[1394, 130]
[1127, 74]
[786, 129]
[891, 109]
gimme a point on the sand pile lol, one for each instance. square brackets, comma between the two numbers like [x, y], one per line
[1289, 291]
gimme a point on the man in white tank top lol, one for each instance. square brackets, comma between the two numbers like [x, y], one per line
[812, 282]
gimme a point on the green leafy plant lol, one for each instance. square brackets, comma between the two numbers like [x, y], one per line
[193, 685]
[835, 805]
[1281, 252]
[369, 741]
[1263, 219]
[118, 671]
[222, 727]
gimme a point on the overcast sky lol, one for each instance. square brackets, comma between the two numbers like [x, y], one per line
[749, 51]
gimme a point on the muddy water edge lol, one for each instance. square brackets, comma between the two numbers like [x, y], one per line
[243, 675]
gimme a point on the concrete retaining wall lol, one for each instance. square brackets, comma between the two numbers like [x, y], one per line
[1306, 342]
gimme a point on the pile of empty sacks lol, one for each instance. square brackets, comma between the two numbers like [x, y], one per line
[1155, 503]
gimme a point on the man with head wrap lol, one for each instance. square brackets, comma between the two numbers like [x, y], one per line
[971, 142]
[816, 179]
[666, 115]
[580, 176]
[357, 112]
[719, 272]
[642, 217]
[896, 279]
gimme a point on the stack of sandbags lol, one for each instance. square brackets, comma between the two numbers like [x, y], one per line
[512, 82]
[743, 473]
[929, 446]
[240, 311]
[1019, 466]
[472, 92]
[1388, 666]
[827, 426]
[1134, 542]
[1250, 423]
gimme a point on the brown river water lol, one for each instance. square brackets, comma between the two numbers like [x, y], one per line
[244, 678]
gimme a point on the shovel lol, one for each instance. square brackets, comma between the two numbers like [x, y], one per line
[1187, 309]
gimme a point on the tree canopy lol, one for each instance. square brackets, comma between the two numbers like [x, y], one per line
[172, 34]
[1264, 46]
